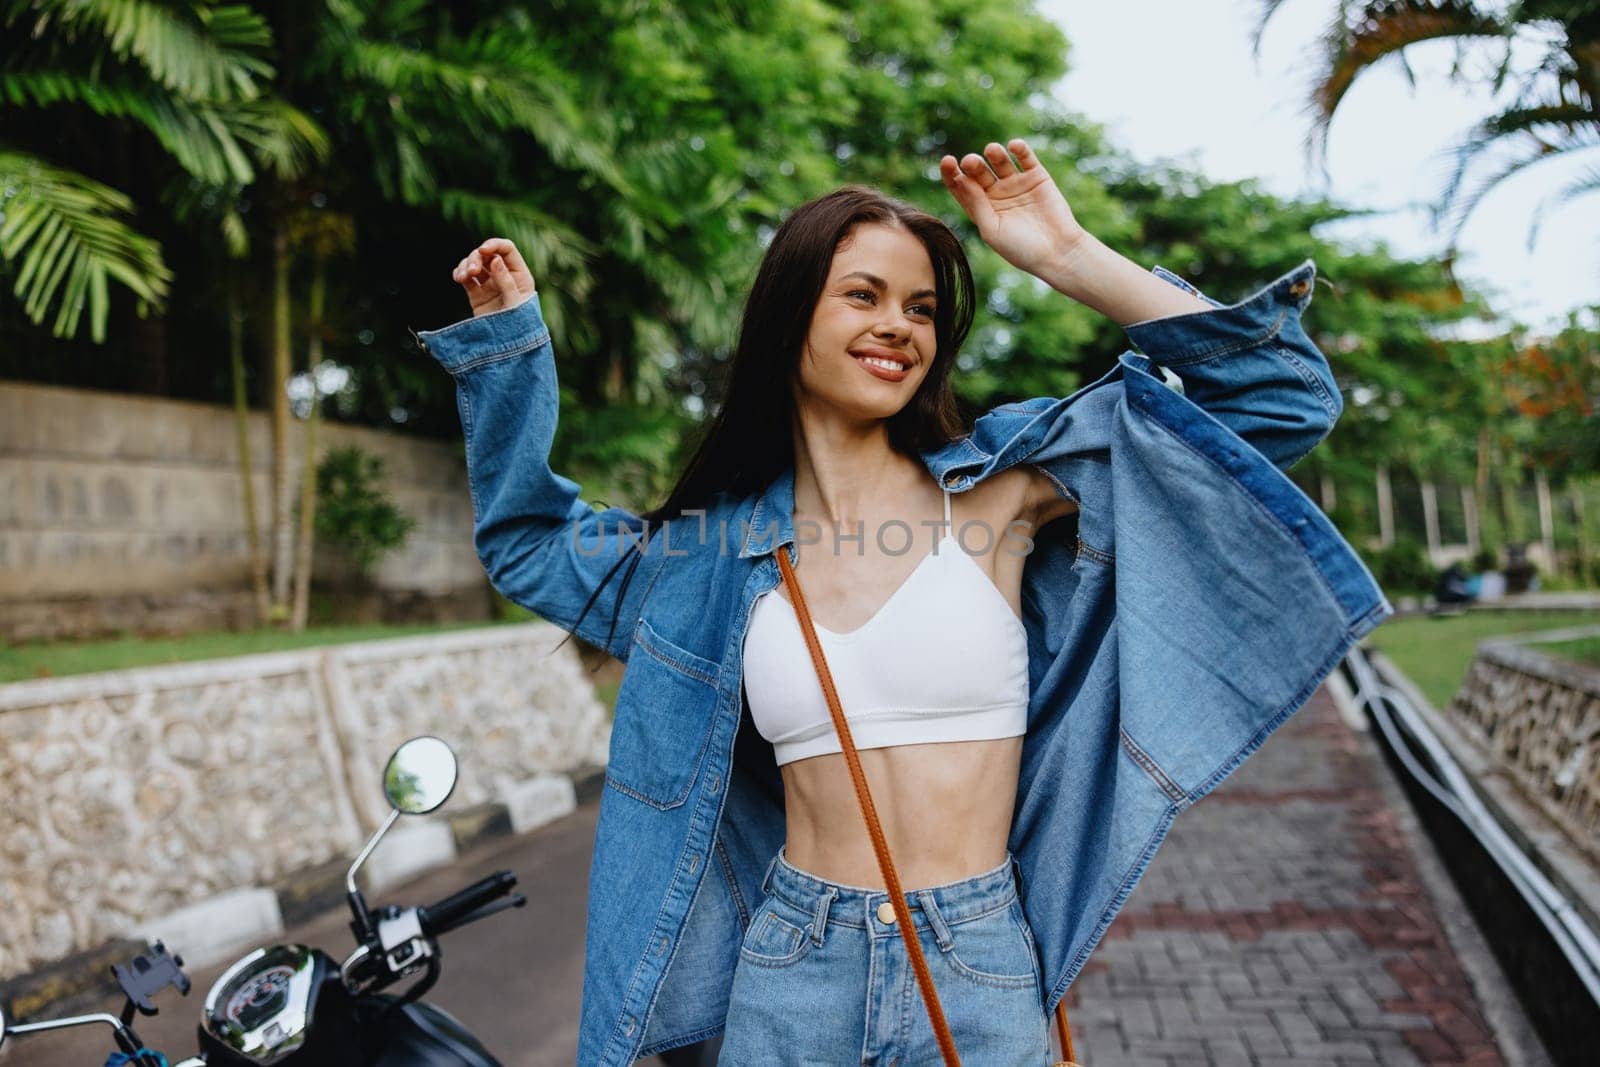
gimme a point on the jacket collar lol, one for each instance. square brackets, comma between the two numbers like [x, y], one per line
[772, 518]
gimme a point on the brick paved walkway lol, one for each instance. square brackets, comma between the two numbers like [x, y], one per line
[1283, 922]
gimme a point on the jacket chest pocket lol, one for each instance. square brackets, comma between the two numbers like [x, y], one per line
[666, 706]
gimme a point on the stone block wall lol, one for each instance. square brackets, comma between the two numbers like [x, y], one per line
[134, 794]
[1538, 719]
[126, 513]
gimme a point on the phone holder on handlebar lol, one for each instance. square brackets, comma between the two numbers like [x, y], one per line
[147, 974]
[140, 979]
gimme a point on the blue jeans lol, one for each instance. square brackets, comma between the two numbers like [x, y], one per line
[822, 978]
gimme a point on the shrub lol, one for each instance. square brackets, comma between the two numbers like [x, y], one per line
[352, 513]
[1402, 567]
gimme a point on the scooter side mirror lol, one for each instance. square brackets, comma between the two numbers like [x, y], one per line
[420, 776]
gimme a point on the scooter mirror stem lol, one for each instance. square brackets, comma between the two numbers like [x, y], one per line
[358, 905]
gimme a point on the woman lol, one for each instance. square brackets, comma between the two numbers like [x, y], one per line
[839, 421]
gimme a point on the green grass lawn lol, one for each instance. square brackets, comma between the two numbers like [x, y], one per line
[1586, 650]
[1435, 653]
[54, 659]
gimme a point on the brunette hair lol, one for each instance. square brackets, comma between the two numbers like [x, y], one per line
[749, 441]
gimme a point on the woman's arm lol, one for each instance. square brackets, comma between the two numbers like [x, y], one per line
[1249, 365]
[542, 546]
[1099, 277]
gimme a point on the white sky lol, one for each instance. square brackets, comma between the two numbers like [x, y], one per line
[1175, 79]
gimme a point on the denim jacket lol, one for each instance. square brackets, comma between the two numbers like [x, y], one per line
[1199, 601]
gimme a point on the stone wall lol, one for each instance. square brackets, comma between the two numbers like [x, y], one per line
[1538, 719]
[132, 795]
[126, 513]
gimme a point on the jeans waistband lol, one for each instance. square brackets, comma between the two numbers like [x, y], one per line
[934, 907]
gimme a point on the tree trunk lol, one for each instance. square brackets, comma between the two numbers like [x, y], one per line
[308, 472]
[241, 423]
[282, 531]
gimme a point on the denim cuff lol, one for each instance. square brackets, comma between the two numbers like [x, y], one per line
[1174, 340]
[485, 338]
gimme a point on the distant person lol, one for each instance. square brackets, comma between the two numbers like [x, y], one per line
[1453, 586]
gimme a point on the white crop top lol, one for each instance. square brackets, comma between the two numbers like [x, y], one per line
[944, 659]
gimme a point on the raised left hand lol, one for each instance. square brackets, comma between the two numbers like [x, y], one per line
[1019, 213]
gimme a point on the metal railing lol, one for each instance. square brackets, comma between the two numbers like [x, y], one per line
[1430, 763]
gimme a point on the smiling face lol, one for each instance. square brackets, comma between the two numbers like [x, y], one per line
[872, 339]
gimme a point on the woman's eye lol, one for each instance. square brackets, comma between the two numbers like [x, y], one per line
[926, 310]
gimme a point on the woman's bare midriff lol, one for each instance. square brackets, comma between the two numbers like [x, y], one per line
[945, 809]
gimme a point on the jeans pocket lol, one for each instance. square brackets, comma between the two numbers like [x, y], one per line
[774, 940]
[994, 949]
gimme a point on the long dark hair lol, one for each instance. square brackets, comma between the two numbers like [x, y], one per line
[749, 441]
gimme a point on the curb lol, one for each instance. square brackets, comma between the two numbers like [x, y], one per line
[74, 983]
[1513, 1030]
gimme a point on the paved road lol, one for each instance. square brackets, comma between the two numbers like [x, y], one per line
[1287, 920]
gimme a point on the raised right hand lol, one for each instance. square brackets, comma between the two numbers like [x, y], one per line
[494, 276]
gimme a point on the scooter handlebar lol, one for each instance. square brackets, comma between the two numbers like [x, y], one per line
[446, 914]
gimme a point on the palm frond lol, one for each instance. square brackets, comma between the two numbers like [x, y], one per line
[1535, 131]
[697, 298]
[1587, 182]
[281, 137]
[200, 137]
[59, 229]
[1350, 47]
[1525, 150]
[550, 246]
[499, 97]
[1265, 10]
[202, 51]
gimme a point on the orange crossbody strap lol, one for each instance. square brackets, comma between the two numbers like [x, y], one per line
[930, 996]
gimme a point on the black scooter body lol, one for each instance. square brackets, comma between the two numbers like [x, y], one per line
[374, 1030]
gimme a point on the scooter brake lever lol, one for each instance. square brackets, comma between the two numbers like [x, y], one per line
[515, 900]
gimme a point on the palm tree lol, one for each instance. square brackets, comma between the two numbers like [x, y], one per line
[1554, 113]
[192, 76]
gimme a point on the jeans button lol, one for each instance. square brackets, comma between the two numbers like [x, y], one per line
[886, 913]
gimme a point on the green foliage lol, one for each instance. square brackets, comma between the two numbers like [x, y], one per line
[1402, 567]
[352, 512]
[58, 227]
[1552, 112]
[641, 156]
[193, 79]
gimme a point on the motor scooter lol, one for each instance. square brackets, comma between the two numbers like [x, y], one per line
[295, 1006]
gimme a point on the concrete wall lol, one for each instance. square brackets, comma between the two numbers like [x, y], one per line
[122, 512]
[136, 800]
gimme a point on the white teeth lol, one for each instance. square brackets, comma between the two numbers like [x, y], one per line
[886, 364]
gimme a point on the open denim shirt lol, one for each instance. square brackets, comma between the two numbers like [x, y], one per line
[1200, 601]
